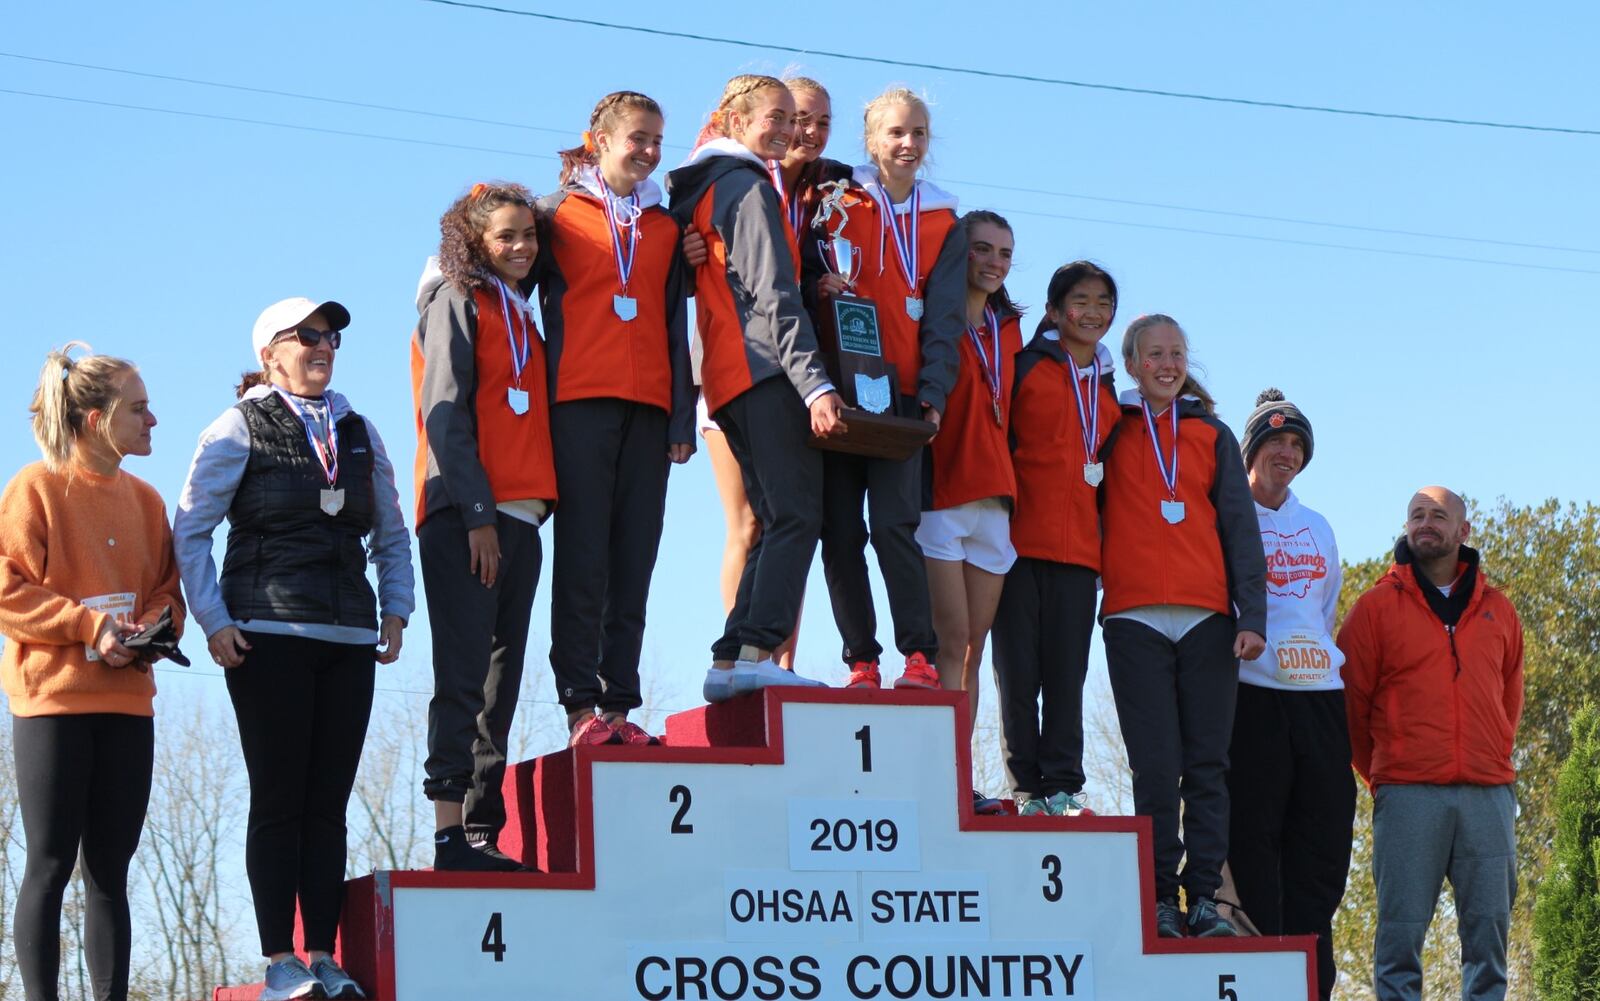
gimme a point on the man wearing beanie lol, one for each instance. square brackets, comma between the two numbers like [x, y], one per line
[1292, 796]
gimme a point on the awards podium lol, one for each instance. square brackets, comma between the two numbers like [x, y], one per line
[793, 844]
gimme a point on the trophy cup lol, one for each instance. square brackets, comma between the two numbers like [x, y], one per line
[853, 352]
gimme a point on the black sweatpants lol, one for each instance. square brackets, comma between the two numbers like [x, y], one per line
[892, 492]
[767, 427]
[611, 466]
[83, 783]
[479, 637]
[1293, 804]
[1041, 639]
[1175, 707]
[302, 706]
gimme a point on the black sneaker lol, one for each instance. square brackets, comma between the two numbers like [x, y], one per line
[986, 806]
[1169, 920]
[486, 844]
[453, 853]
[1205, 922]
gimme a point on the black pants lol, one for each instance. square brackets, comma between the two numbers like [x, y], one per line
[892, 492]
[479, 637]
[767, 427]
[83, 783]
[1041, 639]
[302, 706]
[1293, 806]
[1175, 707]
[611, 466]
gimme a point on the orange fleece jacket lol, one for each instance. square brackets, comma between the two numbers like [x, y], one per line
[66, 538]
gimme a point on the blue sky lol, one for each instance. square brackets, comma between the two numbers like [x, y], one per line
[1413, 369]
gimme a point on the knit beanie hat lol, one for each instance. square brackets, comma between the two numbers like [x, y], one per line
[1273, 414]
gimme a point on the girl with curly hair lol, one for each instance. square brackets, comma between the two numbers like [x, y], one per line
[760, 371]
[613, 293]
[73, 592]
[485, 482]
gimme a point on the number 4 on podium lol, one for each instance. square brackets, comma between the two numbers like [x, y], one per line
[494, 939]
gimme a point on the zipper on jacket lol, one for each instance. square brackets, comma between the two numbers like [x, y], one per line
[1455, 692]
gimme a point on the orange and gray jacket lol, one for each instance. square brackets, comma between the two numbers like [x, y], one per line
[750, 320]
[591, 352]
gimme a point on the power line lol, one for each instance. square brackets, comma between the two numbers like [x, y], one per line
[1167, 206]
[275, 125]
[286, 93]
[1023, 77]
[1028, 212]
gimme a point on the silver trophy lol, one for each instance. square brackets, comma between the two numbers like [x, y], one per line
[846, 262]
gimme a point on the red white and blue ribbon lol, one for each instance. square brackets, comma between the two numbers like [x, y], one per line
[1169, 472]
[512, 303]
[621, 214]
[327, 452]
[791, 203]
[989, 358]
[1089, 413]
[905, 242]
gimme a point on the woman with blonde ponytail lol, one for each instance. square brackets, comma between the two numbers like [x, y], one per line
[74, 592]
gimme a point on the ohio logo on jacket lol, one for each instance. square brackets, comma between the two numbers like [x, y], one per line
[1294, 563]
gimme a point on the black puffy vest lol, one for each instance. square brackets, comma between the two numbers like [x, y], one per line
[286, 560]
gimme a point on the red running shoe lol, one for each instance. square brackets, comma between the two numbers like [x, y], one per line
[593, 732]
[919, 674]
[633, 734]
[864, 674]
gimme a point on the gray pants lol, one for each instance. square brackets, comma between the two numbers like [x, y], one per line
[1420, 835]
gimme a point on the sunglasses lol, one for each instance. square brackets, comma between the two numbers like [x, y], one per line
[310, 336]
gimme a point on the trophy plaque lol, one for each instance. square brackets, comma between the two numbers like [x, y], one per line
[852, 346]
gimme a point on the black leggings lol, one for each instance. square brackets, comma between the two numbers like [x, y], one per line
[303, 706]
[83, 782]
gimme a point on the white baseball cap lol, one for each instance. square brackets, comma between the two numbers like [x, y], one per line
[290, 313]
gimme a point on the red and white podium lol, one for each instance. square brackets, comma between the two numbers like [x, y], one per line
[795, 844]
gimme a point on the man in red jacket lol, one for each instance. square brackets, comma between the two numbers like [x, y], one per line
[1433, 690]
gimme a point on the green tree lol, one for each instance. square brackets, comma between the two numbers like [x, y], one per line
[1547, 559]
[1566, 917]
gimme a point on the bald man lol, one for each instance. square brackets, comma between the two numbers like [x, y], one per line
[1433, 691]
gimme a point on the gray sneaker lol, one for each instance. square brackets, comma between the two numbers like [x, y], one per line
[335, 982]
[289, 980]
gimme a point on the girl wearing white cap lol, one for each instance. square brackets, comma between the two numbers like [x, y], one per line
[308, 491]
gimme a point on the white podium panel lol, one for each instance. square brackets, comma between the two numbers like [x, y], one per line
[840, 862]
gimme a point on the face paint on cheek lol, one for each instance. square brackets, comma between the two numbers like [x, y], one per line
[1074, 316]
[1148, 366]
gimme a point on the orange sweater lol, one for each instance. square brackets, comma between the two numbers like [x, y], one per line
[65, 541]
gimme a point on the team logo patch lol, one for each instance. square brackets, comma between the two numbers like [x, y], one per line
[1294, 563]
[1276, 420]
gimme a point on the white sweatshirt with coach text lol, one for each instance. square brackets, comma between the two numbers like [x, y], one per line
[1303, 578]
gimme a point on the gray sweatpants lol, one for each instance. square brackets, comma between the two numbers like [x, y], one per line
[1420, 835]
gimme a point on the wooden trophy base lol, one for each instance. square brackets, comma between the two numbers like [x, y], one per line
[877, 436]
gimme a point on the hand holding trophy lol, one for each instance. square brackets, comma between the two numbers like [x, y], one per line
[854, 353]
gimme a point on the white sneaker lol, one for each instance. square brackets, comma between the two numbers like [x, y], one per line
[754, 675]
[718, 686]
[289, 980]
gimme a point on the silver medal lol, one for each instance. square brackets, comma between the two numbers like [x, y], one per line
[518, 398]
[1093, 473]
[625, 306]
[1172, 511]
[331, 501]
[914, 307]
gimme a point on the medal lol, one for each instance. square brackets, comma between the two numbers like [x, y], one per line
[326, 452]
[1089, 421]
[905, 243]
[1172, 507]
[622, 215]
[516, 396]
[989, 359]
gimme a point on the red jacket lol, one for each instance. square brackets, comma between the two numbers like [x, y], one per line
[1427, 703]
[969, 459]
[1057, 515]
